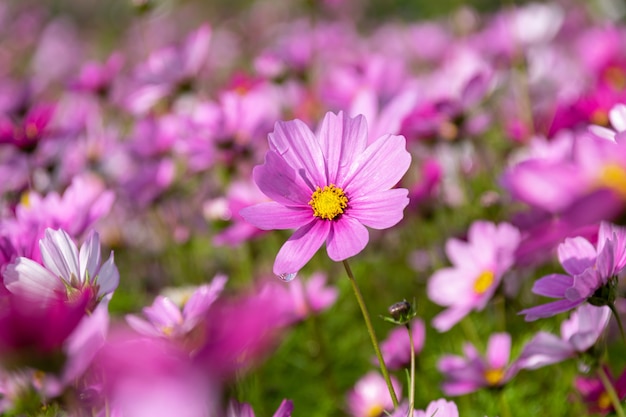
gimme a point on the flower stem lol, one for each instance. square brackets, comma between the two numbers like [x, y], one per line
[370, 329]
[619, 320]
[412, 383]
[610, 390]
[505, 411]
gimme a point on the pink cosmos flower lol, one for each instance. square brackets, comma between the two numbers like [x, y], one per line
[166, 319]
[578, 334]
[437, 408]
[594, 394]
[65, 271]
[473, 372]
[328, 186]
[478, 267]
[300, 298]
[591, 273]
[370, 396]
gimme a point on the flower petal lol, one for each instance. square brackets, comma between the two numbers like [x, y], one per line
[60, 254]
[278, 180]
[272, 215]
[380, 210]
[378, 168]
[553, 285]
[499, 350]
[108, 277]
[550, 309]
[301, 247]
[347, 237]
[544, 349]
[298, 146]
[27, 278]
[89, 257]
[341, 138]
[576, 254]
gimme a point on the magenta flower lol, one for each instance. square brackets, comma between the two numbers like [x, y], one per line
[478, 267]
[370, 396]
[328, 186]
[592, 273]
[578, 334]
[473, 372]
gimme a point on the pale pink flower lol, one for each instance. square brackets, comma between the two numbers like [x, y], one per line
[370, 396]
[478, 267]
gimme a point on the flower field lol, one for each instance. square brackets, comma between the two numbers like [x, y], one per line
[316, 208]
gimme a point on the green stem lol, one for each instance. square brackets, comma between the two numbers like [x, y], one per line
[610, 390]
[619, 320]
[370, 329]
[505, 411]
[412, 384]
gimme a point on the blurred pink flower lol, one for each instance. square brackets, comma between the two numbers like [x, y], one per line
[579, 333]
[594, 394]
[478, 267]
[370, 396]
[328, 186]
[591, 273]
[396, 348]
[301, 297]
[166, 319]
[473, 372]
[439, 408]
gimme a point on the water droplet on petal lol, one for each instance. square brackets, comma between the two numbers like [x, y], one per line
[287, 277]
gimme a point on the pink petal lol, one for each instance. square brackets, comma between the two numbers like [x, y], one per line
[270, 216]
[277, 180]
[341, 138]
[298, 146]
[499, 350]
[108, 276]
[59, 254]
[89, 257]
[544, 349]
[448, 286]
[29, 279]
[550, 309]
[553, 285]
[445, 320]
[380, 210]
[347, 237]
[576, 254]
[301, 247]
[378, 168]
[460, 253]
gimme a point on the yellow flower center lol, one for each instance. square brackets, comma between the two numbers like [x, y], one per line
[604, 401]
[483, 282]
[600, 117]
[375, 410]
[328, 202]
[613, 176]
[494, 376]
[615, 77]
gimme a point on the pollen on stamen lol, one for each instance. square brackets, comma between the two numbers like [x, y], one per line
[494, 376]
[483, 282]
[328, 202]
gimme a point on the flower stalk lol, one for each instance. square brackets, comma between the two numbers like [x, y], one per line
[370, 330]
